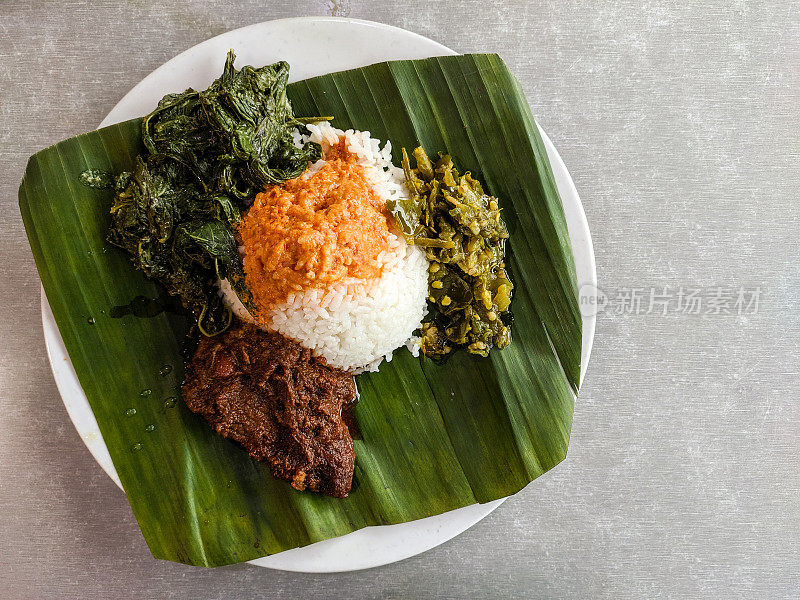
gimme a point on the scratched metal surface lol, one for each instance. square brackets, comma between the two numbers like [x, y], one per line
[680, 128]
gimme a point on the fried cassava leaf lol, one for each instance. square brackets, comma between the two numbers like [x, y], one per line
[434, 437]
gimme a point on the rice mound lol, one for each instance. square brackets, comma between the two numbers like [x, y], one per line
[356, 324]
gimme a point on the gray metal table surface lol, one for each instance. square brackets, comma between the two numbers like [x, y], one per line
[679, 123]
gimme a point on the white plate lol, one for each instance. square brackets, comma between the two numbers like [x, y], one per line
[314, 46]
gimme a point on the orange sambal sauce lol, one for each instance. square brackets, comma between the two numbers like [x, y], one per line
[313, 231]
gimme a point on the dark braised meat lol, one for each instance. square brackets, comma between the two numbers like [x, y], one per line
[284, 406]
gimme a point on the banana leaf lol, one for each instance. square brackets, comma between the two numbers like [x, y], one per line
[433, 437]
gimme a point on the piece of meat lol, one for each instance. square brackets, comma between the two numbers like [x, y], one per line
[284, 406]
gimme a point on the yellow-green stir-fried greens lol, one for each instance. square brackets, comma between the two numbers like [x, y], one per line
[463, 234]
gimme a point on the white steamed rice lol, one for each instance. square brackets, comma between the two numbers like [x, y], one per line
[356, 324]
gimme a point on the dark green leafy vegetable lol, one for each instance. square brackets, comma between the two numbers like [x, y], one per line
[236, 136]
[208, 154]
[175, 235]
[460, 227]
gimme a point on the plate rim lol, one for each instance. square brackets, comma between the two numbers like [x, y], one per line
[86, 425]
[109, 120]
